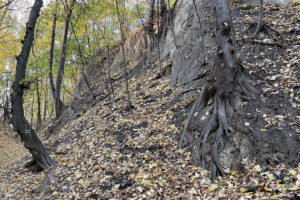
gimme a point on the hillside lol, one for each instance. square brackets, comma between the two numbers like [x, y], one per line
[102, 150]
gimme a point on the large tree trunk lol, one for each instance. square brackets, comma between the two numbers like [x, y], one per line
[226, 88]
[21, 126]
[60, 70]
[51, 82]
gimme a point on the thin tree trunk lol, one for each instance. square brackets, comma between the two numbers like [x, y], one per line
[140, 16]
[39, 117]
[52, 110]
[21, 126]
[51, 82]
[45, 104]
[163, 7]
[107, 87]
[60, 70]
[6, 4]
[150, 27]
[88, 38]
[107, 81]
[2, 16]
[6, 104]
[81, 60]
[125, 21]
[260, 18]
[157, 44]
[164, 19]
[5, 100]
[31, 112]
[109, 73]
[124, 58]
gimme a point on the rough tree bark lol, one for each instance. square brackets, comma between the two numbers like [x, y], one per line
[151, 34]
[163, 7]
[60, 70]
[164, 19]
[158, 37]
[129, 104]
[51, 82]
[21, 125]
[226, 88]
[199, 19]
[6, 114]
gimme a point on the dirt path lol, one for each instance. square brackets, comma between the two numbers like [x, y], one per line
[11, 149]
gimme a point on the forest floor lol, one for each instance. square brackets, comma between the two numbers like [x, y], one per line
[112, 153]
[11, 149]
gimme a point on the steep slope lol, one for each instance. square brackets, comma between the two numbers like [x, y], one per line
[102, 151]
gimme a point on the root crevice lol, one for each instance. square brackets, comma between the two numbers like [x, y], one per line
[211, 140]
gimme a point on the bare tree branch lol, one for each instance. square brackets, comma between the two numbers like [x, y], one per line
[6, 4]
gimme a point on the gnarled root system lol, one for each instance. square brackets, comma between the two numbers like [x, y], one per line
[210, 140]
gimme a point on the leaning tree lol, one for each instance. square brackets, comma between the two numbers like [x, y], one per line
[41, 159]
[222, 93]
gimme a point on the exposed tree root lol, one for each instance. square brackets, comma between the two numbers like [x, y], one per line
[272, 34]
[211, 140]
[224, 91]
[33, 166]
[267, 43]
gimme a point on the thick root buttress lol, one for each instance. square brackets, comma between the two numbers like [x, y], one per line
[208, 143]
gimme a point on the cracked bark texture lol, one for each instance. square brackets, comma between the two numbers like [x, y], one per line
[223, 91]
[21, 125]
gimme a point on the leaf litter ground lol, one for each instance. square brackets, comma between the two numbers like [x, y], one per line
[118, 154]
